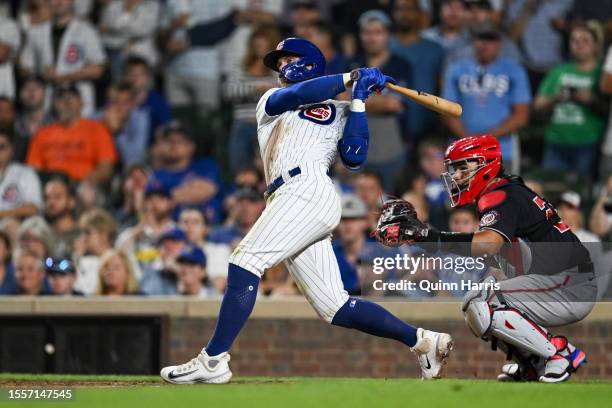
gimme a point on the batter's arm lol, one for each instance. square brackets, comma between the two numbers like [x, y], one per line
[304, 93]
[353, 147]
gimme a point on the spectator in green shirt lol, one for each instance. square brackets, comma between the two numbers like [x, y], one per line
[570, 93]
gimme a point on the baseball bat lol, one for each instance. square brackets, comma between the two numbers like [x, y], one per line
[433, 102]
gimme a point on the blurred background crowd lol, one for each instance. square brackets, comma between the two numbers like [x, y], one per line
[129, 162]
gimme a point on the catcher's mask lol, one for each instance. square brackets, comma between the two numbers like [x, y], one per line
[470, 164]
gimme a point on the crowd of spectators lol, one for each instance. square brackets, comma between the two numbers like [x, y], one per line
[129, 162]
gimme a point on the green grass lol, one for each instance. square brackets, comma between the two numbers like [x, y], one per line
[254, 392]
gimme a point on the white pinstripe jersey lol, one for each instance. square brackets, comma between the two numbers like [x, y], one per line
[305, 137]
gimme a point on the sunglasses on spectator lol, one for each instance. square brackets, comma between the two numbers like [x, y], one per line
[62, 266]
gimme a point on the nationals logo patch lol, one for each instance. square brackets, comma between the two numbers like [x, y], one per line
[489, 218]
[320, 114]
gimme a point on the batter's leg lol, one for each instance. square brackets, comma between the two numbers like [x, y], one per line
[274, 237]
[316, 273]
[296, 215]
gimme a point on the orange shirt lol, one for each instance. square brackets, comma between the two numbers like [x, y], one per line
[75, 150]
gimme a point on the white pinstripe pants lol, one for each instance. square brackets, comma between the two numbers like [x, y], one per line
[296, 228]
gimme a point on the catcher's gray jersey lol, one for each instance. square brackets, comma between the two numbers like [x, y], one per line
[299, 217]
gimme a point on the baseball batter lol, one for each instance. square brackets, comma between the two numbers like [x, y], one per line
[300, 131]
[552, 282]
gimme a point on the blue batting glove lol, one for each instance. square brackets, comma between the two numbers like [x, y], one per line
[370, 80]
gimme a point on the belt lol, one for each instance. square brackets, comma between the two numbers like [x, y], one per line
[279, 181]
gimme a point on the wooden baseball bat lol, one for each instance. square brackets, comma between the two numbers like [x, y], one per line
[440, 105]
[433, 102]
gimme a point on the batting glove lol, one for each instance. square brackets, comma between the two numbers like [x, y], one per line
[369, 80]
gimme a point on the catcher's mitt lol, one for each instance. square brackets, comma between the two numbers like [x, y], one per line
[398, 224]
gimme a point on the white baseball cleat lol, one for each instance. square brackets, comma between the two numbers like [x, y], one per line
[201, 369]
[432, 350]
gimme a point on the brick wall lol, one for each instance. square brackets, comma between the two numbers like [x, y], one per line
[284, 337]
[309, 347]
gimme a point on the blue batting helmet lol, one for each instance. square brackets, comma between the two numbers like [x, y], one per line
[310, 65]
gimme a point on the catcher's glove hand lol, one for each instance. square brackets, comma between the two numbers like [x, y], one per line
[398, 224]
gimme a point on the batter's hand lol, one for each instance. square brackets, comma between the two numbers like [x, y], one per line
[398, 224]
[369, 80]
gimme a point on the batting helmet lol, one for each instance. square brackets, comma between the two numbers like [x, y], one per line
[470, 163]
[310, 65]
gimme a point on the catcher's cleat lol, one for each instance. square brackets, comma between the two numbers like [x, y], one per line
[432, 350]
[516, 372]
[566, 361]
[201, 369]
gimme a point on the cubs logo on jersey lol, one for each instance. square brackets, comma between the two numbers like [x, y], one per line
[322, 114]
[73, 54]
[10, 194]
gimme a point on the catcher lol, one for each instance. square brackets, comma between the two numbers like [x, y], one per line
[551, 278]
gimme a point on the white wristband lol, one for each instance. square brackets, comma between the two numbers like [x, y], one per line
[357, 105]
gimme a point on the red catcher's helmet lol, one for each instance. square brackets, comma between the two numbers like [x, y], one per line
[470, 163]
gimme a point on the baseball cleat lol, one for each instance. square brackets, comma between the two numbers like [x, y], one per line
[432, 350]
[202, 369]
[566, 361]
[515, 372]
[557, 369]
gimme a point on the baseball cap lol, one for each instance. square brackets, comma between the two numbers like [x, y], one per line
[248, 193]
[174, 234]
[307, 4]
[59, 266]
[571, 198]
[156, 187]
[353, 206]
[486, 31]
[177, 126]
[374, 15]
[66, 89]
[478, 3]
[192, 255]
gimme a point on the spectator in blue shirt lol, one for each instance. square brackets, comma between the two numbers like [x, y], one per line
[191, 181]
[431, 162]
[354, 251]
[494, 92]
[482, 12]
[320, 34]
[351, 239]
[538, 26]
[387, 113]
[30, 276]
[137, 73]
[7, 273]
[128, 124]
[161, 276]
[248, 206]
[426, 57]
[451, 33]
